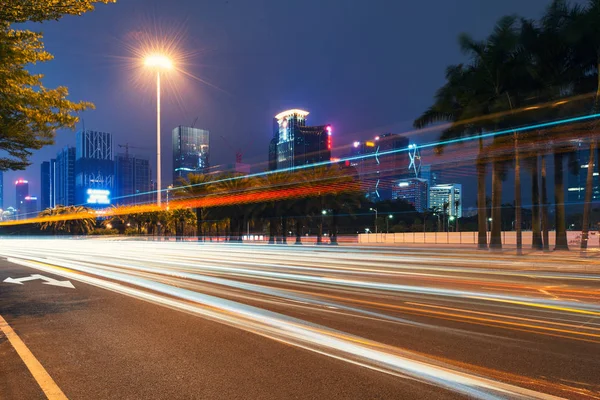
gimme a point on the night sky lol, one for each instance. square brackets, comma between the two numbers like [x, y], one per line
[366, 67]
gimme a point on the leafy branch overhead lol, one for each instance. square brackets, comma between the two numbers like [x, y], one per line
[30, 113]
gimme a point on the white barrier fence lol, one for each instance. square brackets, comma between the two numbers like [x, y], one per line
[466, 238]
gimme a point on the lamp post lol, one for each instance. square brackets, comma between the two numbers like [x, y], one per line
[320, 237]
[158, 62]
[387, 226]
[374, 209]
[451, 219]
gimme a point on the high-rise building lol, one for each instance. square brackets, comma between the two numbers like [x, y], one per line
[63, 172]
[413, 190]
[382, 161]
[22, 191]
[1, 190]
[294, 144]
[577, 181]
[30, 208]
[432, 176]
[132, 180]
[447, 195]
[47, 184]
[94, 166]
[190, 151]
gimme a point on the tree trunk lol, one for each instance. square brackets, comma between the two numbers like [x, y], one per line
[272, 231]
[559, 203]
[545, 236]
[587, 205]
[496, 233]
[240, 229]
[334, 228]
[199, 232]
[518, 224]
[320, 233]
[536, 233]
[284, 228]
[298, 231]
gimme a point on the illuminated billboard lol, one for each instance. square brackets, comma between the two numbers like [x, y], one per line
[98, 196]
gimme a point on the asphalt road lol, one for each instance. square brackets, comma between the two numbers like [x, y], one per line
[183, 320]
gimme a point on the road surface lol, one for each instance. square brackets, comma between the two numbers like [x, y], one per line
[126, 319]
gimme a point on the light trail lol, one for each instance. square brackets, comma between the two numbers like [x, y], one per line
[293, 294]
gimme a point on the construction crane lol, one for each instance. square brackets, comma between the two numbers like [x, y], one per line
[127, 146]
[238, 152]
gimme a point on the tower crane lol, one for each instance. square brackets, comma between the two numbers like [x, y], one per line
[127, 146]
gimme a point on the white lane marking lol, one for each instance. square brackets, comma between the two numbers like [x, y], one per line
[39, 373]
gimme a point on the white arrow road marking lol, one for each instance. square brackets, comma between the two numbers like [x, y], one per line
[47, 281]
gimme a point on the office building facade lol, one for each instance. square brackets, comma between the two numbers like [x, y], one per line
[21, 192]
[294, 144]
[132, 180]
[576, 182]
[47, 187]
[190, 151]
[30, 208]
[414, 190]
[64, 177]
[447, 195]
[94, 166]
[431, 175]
[381, 162]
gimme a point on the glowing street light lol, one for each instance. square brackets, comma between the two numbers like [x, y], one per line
[158, 62]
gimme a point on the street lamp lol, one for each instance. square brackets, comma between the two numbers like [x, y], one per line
[158, 62]
[374, 209]
[387, 226]
[451, 219]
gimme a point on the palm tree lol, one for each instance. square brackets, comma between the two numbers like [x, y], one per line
[499, 73]
[445, 207]
[584, 26]
[275, 208]
[456, 103]
[235, 185]
[456, 206]
[74, 220]
[196, 186]
[181, 218]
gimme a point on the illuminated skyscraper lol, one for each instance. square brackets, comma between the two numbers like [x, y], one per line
[190, 151]
[64, 177]
[448, 194]
[294, 144]
[577, 181]
[21, 191]
[413, 190]
[29, 208]
[94, 167]
[380, 162]
[47, 178]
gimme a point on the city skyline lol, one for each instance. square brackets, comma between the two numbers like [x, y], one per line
[242, 111]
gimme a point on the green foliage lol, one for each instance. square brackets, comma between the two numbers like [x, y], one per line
[30, 113]
[71, 220]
